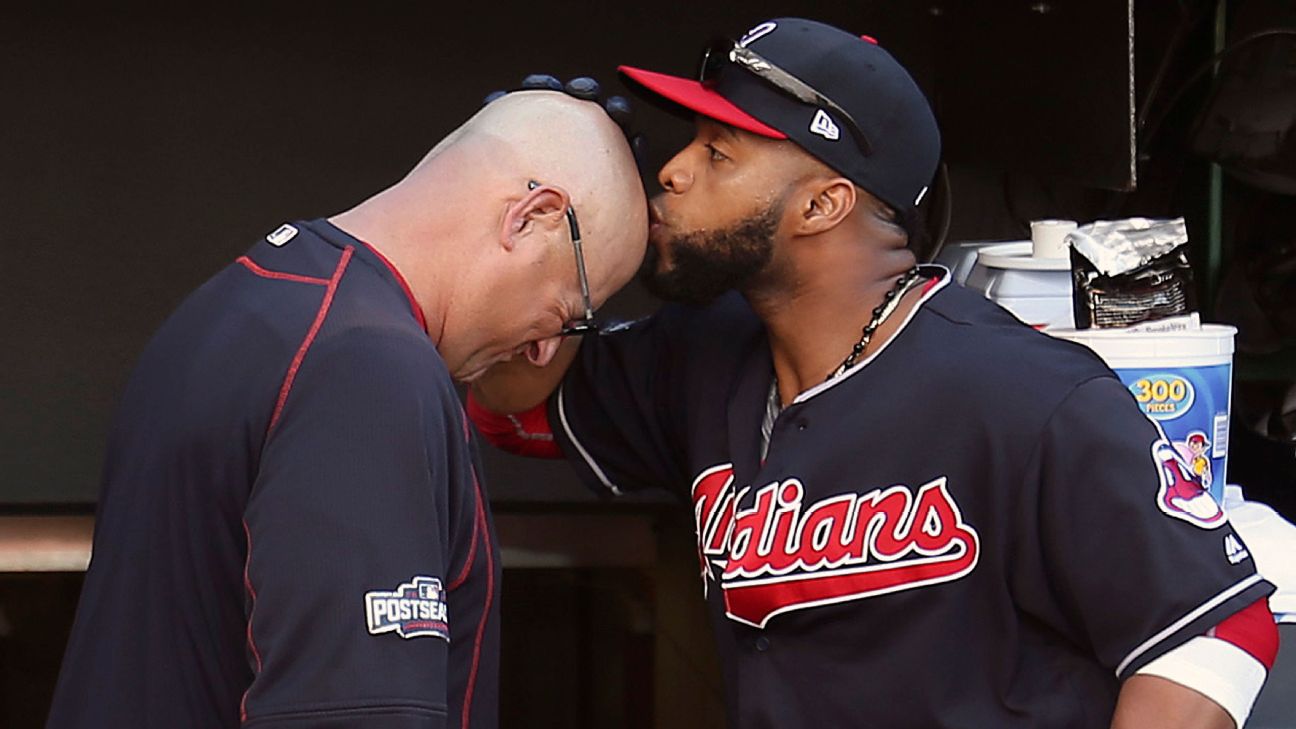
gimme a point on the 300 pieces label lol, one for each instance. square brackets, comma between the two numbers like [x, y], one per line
[1163, 396]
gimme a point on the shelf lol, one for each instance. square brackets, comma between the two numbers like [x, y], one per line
[62, 543]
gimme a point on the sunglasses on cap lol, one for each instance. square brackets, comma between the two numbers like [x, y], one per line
[724, 51]
[586, 325]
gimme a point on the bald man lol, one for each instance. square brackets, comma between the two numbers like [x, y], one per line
[292, 532]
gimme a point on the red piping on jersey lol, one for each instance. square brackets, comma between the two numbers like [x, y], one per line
[527, 433]
[472, 548]
[490, 593]
[409, 294]
[247, 585]
[1253, 630]
[310, 336]
[252, 266]
[472, 554]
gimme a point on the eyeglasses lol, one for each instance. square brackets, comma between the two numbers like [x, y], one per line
[586, 325]
[718, 52]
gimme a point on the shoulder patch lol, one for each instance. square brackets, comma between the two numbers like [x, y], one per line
[1182, 494]
[416, 609]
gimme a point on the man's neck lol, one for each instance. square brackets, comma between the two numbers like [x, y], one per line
[407, 248]
[813, 323]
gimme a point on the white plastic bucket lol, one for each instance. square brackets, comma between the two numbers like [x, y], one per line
[1036, 290]
[1183, 381]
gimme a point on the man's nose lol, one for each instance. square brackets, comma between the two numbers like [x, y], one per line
[674, 176]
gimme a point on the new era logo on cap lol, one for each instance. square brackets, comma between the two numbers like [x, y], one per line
[823, 125]
[759, 31]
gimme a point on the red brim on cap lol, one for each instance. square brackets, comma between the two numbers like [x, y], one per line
[696, 96]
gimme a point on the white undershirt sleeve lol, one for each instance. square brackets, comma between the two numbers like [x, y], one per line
[1215, 668]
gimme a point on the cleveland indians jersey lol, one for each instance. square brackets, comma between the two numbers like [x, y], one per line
[975, 526]
[291, 532]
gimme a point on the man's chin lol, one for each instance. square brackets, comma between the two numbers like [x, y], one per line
[658, 276]
[469, 374]
[703, 265]
[670, 284]
[651, 265]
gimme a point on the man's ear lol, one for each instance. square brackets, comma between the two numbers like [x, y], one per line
[824, 204]
[542, 352]
[543, 208]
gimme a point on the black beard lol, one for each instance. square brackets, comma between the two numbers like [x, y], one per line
[707, 264]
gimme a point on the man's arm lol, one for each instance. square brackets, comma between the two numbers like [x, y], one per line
[618, 409]
[348, 563]
[1226, 668]
[1152, 702]
[1155, 593]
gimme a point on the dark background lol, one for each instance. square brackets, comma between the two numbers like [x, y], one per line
[143, 147]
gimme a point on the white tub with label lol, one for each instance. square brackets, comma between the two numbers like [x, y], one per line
[1183, 381]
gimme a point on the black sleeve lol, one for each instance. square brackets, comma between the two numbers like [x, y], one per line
[1113, 560]
[619, 413]
[346, 527]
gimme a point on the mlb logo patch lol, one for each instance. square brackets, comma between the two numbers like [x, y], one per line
[281, 235]
[416, 609]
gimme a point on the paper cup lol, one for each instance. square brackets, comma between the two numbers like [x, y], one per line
[1048, 238]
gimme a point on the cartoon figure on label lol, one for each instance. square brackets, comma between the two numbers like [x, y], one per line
[1193, 449]
[1184, 494]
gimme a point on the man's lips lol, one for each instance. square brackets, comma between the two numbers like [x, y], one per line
[655, 224]
[654, 217]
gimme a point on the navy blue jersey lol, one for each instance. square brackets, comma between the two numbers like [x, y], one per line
[975, 526]
[290, 532]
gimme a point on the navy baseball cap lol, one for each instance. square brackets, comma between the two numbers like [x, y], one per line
[849, 103]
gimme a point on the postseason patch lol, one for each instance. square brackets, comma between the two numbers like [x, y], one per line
[414, 610]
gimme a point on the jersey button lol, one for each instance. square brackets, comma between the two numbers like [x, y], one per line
[802, 424]
[762, 644]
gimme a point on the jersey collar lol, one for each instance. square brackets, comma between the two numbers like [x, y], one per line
[371, 256]
[941, 280]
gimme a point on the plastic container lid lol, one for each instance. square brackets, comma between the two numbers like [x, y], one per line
[1018, 256]
[1211, 339]
[1212, 344]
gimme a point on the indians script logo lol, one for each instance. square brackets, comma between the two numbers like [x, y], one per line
[783, 554]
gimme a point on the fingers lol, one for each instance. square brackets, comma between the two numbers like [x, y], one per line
[586, 88]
